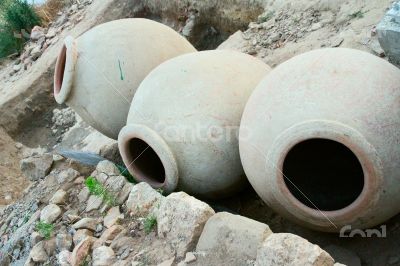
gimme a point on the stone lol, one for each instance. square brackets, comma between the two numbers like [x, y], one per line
[108, 235]
[389, 33]
[123, 243]
[143, 200]
[291, 250]
[50, 213]
[17, 68]
[51, 33]
[81, 234]
[83, 195]
[64, 258]
[60, 197]
[107, 168]
[36, 167]
[124, 194]
[113, 217]
[81, 251]
[342, 255]
[93, 203]
[35, 238]
[36, 52]
[36, 33]
[103, 256]
[181, 219]
[50, 246]
[376, 48]
[231, 235]
[115, 184]
[85, 223]
[38, 253]
[169, 262]
[190, 257]
[67, 175]
[63, 242]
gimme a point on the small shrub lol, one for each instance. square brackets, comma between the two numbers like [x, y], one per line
[45, 229]
[97, 189]
[358, 14]
[149, 223]
[265, 17]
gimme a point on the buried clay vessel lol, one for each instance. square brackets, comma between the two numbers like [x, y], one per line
[98, 73]
[182, 127]
[319, 139]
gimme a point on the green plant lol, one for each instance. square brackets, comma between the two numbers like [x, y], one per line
[17, 18]
[358, 14]
[124, 172]
[45, 229]
[265, 17]
[97, 189]
[149, 223]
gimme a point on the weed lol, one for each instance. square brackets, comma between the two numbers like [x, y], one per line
[265, 17]
[97, 189]
[358, 14]
[149, 223]
[160, 190]
[124, 172]
[45, 229]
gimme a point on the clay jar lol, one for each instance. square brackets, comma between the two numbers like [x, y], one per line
[320, 139]
[98, 73]
[182, 128]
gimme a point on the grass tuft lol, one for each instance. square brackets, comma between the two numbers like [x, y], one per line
[124, 172]
[97, 189]
[149, 223]
[45, 229]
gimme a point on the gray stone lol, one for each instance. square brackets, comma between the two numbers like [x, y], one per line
[51, 33]
[343, 255]
[81, 251]
[67, 175]
[181, 219]
[36, 52]
[50, 213]
[143, 200]
[80, 235]
[169, 262]
[83, 195]
[63, 242]
[93, 203]
[291, 250]
[36, 167]
[389, 33]
[103, 256]
[38, 253]
[190, 257]
[231, 235]
[35, 238]
[113, 217]
[85, 223]
[60, 197]
[64, 257]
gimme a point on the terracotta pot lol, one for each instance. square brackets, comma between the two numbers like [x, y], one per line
[320, 139]
[182, 127]
[98, 73]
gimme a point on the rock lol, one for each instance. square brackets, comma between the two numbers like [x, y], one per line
[389, 33]
[63, 242]
[38, 253]
[235, 42]
[63, 18]
[143, 200]
[115, 184]
[108, 235]
[67, 175]
[81, 251]
[86, 223]
[107, 168]
[81, 234]
[17, 68]
[35, 238]
[316, 26]
[36, 167]
[93, 203]
[83, 196]
[376, 48]
[169, 262]
[228, 235]
[36, 33]
[103, 256]
[50, 246]
[64, 258]
[291, 250]
[190, 257]
[113, 216]
[51, 33]
[122, 244]
[124, 194]
[50, 213]
[181, 219]
[36, 52]
[343, 255]
[60, 197]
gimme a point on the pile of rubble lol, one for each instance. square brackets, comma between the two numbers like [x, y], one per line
[62, 221]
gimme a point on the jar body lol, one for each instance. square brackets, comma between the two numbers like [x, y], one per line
[98, 73]
[320, 136]
[192, 104]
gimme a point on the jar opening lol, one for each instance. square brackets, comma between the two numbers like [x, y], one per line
[60, 69]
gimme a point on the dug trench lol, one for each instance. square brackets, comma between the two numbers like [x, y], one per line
[30, 123]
